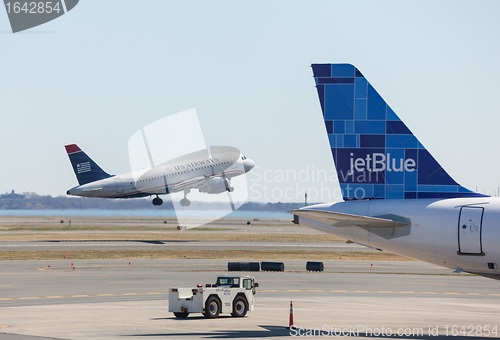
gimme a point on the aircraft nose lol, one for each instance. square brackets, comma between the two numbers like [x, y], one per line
[248, 164]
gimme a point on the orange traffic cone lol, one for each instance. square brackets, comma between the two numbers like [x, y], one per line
[290, 323]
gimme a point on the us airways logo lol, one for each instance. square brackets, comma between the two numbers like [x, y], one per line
[209, 161]
[24, 14]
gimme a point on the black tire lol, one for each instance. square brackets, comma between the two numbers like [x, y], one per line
[212, 308]
[240, 307]
[182, 315]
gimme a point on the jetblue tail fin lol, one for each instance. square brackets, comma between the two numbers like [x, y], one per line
[375, 154]
[86, 170]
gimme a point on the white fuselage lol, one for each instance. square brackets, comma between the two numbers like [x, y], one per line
[458, 233]
[166, 178]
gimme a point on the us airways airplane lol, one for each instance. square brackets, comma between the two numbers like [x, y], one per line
[396, 195]
[208, 172]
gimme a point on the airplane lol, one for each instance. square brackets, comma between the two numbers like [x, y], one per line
[209, 173]
[397, 198]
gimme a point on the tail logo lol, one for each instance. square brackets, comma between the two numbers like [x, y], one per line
[83, 167]
[377, 162]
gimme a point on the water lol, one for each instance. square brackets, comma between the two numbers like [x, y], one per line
[145, 213]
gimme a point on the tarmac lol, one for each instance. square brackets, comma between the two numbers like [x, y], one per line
[110, 299]
[115, 299]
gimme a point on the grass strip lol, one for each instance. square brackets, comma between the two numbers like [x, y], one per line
[197, 254]
[171, 236]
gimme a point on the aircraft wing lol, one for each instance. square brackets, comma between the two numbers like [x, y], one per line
[336, 219]
[191, 183]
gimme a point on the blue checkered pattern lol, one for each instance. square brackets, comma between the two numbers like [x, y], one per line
[376, 155]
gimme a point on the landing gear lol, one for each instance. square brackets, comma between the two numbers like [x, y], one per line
[230, 189]
[185, 202]
[157, 201]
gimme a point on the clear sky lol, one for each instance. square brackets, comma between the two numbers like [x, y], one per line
[107, 68]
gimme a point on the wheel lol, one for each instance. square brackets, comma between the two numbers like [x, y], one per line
[157, 201]
[185, 202]
[240, 307]
[182, 315]
[231, 189]
[212, 308]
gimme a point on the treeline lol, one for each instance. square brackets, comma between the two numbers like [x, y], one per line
[33, 201]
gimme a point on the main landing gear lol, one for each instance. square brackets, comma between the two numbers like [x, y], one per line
[157, 201]
[185, 202]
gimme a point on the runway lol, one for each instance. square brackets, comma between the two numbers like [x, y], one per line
[108, 299]
[179, 245]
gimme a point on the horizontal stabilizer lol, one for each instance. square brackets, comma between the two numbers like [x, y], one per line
[346, 220]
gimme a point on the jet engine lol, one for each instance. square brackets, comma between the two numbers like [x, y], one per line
[216, 186]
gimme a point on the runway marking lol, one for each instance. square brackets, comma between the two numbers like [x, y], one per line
[265, 290]
[136, 281]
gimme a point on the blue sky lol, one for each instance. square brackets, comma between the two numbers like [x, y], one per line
[107, 68]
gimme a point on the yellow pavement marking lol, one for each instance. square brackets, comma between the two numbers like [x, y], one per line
[52, 297]
[474, 294]
[4, 326]
[452, 293]
[155, 293]
[493, 294]
[406, 292]
[137, 281]
[26, 298]
[5, 299]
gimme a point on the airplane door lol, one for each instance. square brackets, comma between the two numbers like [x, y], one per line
[470, 230]
[119, 186]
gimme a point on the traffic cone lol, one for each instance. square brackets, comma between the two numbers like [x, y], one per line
[290, 323]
